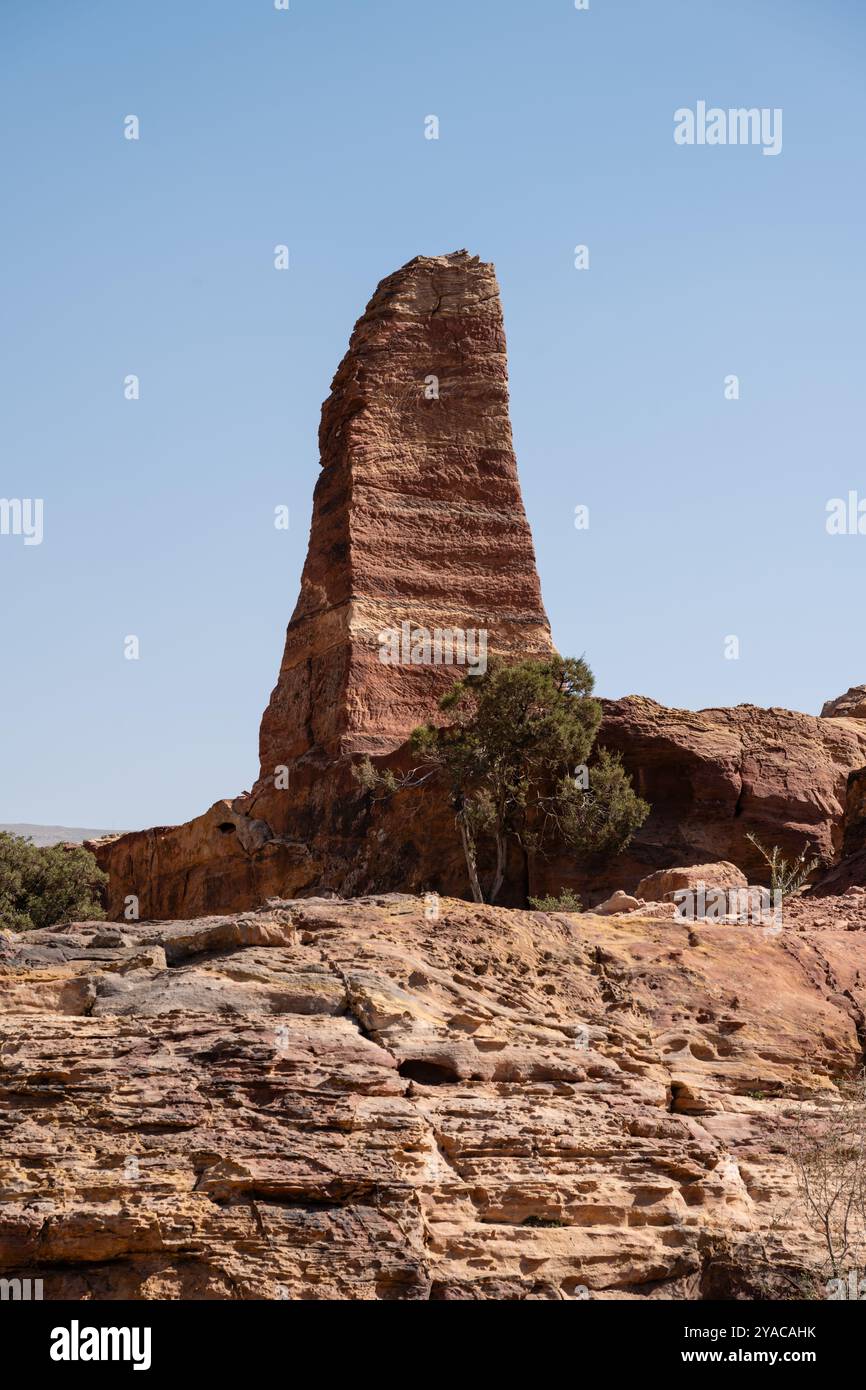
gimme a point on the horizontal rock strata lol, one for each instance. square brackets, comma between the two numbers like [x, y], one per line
[417, 518]
[390, 1099]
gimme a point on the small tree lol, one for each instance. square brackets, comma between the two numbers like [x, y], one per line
[828, 1152]
[508, 759]
[43, 885]
[787, 877]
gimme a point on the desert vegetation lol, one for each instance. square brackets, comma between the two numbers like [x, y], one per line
[788, 877]
[41, 886]
[517, 759]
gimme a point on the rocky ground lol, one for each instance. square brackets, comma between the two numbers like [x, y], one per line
[838, 912]
[359, 1100]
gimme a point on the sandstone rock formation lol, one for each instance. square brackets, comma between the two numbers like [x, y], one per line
[417, 520]
[711, 776]
[851, 869]
[418, 529]
[355, 1100]
[851, 705]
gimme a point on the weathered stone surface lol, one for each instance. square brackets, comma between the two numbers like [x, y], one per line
[212, 863]
[618, 902]
[664, 882]
[816, 910]
[851, 869]
[713, 775]
[346, 1100]
[851, 705]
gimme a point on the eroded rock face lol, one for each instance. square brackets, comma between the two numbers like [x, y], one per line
[851, 705]
[851, 869]
[224, 857]
[711, 776]
[353, 1100]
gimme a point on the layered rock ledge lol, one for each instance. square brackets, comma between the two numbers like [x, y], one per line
[354, 1100]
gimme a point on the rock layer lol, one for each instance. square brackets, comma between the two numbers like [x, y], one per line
[386, 1099]
[710, 776]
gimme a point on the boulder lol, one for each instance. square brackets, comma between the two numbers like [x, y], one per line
[618, 902]
[660, 886]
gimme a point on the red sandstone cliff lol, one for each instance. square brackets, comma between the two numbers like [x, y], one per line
[713, 776]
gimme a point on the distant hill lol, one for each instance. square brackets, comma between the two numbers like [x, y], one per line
[54, 834]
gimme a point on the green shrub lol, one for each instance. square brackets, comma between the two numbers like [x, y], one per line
[565, 902]
[43, 885]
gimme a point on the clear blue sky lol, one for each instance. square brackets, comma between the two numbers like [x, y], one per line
[707, 516]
